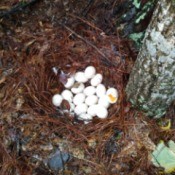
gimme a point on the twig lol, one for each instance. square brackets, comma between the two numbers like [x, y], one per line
[86, 41]
[87, 22]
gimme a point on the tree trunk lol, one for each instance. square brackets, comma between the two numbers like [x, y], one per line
[151, 86]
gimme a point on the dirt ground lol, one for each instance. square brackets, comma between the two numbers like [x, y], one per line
[36, 36]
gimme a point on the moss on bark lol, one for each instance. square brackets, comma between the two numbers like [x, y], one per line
[151, 86]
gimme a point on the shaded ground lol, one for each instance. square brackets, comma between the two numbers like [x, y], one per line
[69, 35]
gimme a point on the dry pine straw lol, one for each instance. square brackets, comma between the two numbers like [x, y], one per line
[71, 54]
[36, 83]
[29, 57]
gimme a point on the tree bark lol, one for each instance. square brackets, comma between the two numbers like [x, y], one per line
[151, 85]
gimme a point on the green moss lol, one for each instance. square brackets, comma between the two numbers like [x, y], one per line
[137, 38]
[144, 11]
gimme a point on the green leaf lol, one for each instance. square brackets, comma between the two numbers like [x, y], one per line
[136, 3]
[164, 156]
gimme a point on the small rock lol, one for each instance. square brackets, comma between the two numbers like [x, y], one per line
[57, 160]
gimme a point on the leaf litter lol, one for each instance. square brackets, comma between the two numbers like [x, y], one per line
[36, 138]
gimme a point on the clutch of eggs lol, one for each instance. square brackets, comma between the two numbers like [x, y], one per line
[87, 101]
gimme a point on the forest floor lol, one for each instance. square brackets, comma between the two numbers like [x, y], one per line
[36, 36]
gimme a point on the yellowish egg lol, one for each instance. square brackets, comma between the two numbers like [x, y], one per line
[112, 95]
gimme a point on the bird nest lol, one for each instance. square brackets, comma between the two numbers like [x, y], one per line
[71, 54]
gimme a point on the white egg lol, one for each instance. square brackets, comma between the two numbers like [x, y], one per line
[89, 90]
[65, 111]
[96, 80]
[90, 72]
[67, 95]
[72, 107]
[100, 90]
[70, 82]
[81, 108]
[101, 111]
[77, 88]
[57, 100]
[92, 110]
[91, 100]
[86, 122]
[103, 100]
[112, 94]
[80, 77]
[79, 98]
[85, 116]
